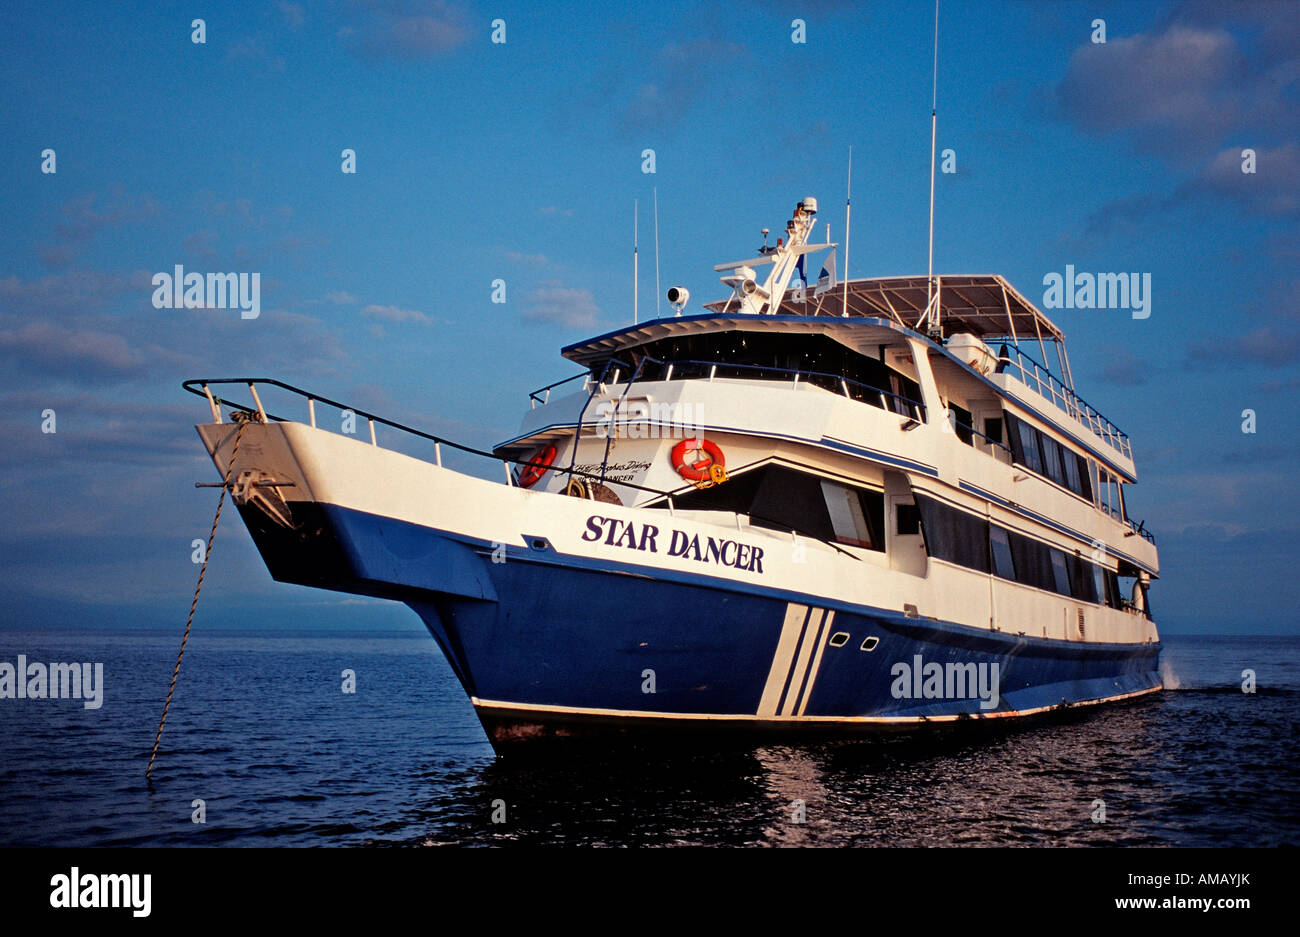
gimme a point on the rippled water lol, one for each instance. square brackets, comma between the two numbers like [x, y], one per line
[261, 732]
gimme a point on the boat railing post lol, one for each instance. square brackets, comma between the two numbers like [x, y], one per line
[670, 505]
[668, 375]
[216, 410]
[712, 371]
[257, 400]
[311, 412]
[845, 386]
[510, 482]
[437, 454]
[371, 421]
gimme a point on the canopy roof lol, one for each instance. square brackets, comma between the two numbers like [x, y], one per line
[985, 305]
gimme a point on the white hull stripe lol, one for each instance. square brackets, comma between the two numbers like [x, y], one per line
[796, 621]
[794, 665]
[489, 705]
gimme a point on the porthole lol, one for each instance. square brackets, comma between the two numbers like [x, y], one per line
[839, 639]
[870, 643]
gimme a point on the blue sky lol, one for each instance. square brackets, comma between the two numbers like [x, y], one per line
[521, 161]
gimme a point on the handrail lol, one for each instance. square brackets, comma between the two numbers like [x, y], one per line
[546, 391]
[1064, 398]
[201, 390]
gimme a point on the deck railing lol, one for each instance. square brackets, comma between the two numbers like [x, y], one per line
[1039, 378]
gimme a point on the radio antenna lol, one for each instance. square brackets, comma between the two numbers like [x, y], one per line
[656, 194]
[848, 206]
[636, 279]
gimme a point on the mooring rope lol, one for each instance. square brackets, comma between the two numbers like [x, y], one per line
[242, 419]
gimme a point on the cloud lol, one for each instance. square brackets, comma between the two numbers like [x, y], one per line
[1206, 72]
[1125, 369]
[85, 217]
[1267, 345]
[564, 306]
[406, 30]
[1174, 91]
[71, 351]
[295, 17]
[681, 72]
[395, 314]
[254, 49]
[1272, 189]
[531, 260]
[340, 297]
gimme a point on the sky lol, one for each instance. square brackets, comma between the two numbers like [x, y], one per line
[520, 161]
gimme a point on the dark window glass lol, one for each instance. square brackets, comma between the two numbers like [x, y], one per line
[1071, 471]
[962, 423]
[1081, 582]
[1085, 481]
[1029, 444]
[855, 514]
[993, 429]
[1003, 564]
[1033, 565]
[908, 520]
[954, 535]
[1052, 459]
[1060, 572]
[1013, 439]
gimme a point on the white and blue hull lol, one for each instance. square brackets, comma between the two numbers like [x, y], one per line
[553, 631]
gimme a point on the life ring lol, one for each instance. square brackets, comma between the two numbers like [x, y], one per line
[530, 474]
[699, 469]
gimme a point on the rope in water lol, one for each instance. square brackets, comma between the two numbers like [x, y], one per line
[243, 420]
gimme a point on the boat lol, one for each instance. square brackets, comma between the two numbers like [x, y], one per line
[806, 508]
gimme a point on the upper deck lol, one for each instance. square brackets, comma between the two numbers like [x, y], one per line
[965, 313]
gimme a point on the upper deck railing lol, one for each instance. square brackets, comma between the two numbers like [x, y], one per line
[656, 369]
[1038, 378]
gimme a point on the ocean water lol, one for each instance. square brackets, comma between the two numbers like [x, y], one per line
[261, 732]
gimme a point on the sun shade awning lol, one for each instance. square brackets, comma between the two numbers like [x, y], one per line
[985, 305]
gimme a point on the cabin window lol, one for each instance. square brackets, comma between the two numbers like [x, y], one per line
[1071, 462]
[1042, 454]
[1032, 459]
[856, 515]
[776, 356]
[781, 498]
[1052, 459]
[962, 422]
[993, 429]
[907, 520]
[970, 541]
[954, 535]
[1060, 572]
[1003, 565]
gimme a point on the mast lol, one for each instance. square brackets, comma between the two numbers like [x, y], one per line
[934, 112]
[848, 207]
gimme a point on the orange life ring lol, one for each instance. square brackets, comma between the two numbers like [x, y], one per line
[699, 469]
[530, 474]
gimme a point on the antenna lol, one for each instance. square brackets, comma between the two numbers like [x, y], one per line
[656, 191]
[934, 112]
[848, 204]
[636, 280]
